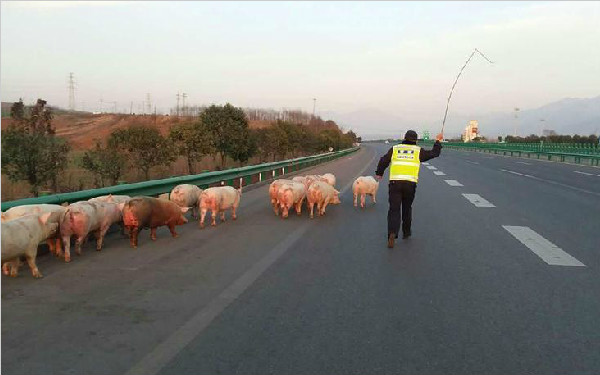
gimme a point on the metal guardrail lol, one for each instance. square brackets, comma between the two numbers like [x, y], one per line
[233, 177]
[527, 150]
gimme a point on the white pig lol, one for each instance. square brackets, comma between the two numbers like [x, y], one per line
[111, 199]
[300, 179]
[37, 209]
[218, 199]
[321, 194]
[329, 178]
[364, 185]
[21, 236]
[273, 188]
[290, 195]
[83, 218]
[187, 195]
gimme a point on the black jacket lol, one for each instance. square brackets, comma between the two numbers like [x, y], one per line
[424, 155]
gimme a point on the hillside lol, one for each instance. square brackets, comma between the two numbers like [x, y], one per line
[82, 129]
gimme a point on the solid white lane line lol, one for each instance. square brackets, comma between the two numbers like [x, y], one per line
[522, 162]
[517, 173]
[453, 183]
[431, 167]
[439, 173]
[585, 173]
[549, 252]
[527, 175]
[477, 200]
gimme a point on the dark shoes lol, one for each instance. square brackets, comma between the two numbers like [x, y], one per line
[406, 235]
[391, 240]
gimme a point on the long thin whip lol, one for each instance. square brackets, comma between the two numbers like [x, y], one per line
[457, 77]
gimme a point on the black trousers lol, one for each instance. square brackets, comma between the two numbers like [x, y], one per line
[401, 196]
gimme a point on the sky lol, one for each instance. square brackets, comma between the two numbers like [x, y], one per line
[399, 58]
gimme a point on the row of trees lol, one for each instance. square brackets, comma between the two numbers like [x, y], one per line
[554, 138]
[32, 152]
[220, 131]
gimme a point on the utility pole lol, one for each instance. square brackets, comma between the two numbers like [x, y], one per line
[71, 92]
[184, 111]
[314, 106]
[178, 95]
[148, 103]
[131, 108]
[516, 118]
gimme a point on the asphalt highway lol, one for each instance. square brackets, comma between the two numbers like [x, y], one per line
[501, 280]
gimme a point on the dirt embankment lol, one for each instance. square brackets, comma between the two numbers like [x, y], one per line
[83, 129]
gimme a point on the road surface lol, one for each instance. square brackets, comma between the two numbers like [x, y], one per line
[501, 276]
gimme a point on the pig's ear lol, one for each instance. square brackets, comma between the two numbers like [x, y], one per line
[336, 192]
[65, 204]
[43, 218]
[184, 209]
[121, 205]
[3, 217]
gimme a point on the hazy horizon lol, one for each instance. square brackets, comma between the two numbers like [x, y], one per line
[399, 58]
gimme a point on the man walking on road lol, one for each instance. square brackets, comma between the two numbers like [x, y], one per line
[406, 159]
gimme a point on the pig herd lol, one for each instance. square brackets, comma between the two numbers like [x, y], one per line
[25, 227]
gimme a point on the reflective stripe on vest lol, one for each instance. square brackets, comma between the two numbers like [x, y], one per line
[405, 163]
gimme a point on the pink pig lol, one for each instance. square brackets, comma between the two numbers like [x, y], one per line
[186, 195]
[218, 199]
[321, 194]
[82, 218]
[364, 185]
[290, 195]
[329, 178]
[273, 189]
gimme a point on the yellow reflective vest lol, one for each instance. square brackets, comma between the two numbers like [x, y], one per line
[405, 163]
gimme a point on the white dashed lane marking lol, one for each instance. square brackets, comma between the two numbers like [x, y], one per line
[425, 163]
[517, 173]
[439, 173]
[453, 183]
[522, 162]
[478, 201]
[472, 162]
[584, 173]
[431, 167]
[549, 252]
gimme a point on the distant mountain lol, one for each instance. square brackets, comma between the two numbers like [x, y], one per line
[566, 116]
